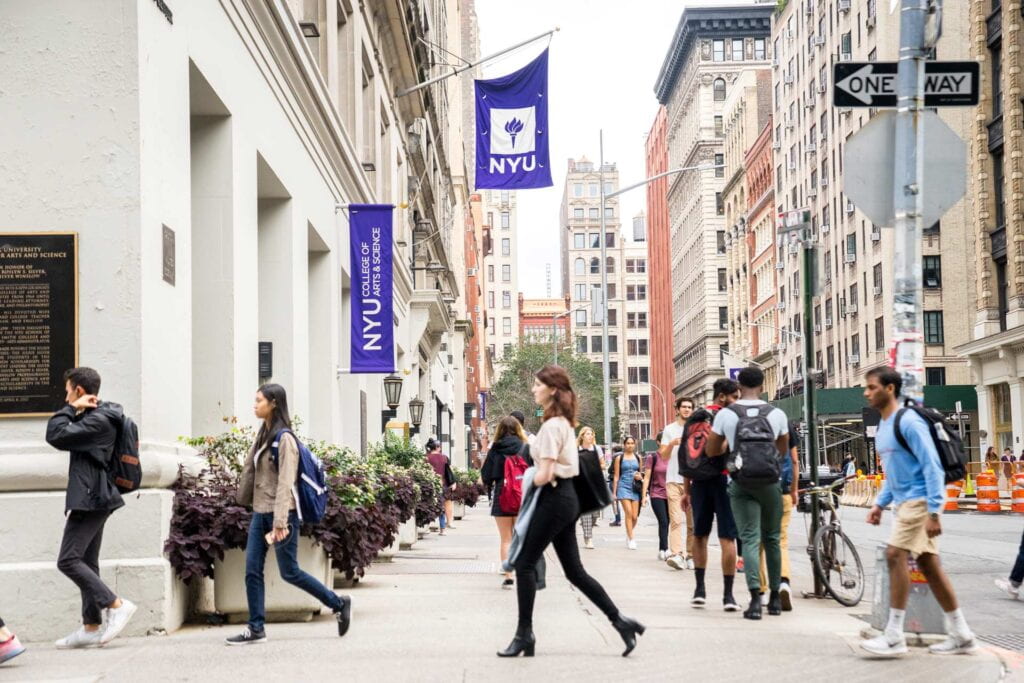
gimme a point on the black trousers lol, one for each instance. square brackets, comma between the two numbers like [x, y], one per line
[660, 507]
[79, 560]
[554, 523]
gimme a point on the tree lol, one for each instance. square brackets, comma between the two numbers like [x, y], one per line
[512, 390]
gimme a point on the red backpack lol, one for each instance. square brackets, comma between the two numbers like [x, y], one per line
[511, 497]
[694, 462]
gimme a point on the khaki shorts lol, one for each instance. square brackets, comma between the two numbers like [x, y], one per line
[908, 529]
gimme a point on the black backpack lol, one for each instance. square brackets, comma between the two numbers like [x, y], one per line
[754, 459]
[694, 462]
[125, 469]
[947, 442]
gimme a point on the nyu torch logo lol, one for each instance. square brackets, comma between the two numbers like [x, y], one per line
[514, 127]
[513, 140]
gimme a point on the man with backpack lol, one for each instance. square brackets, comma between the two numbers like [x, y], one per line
[915, 484]
[757, 436]
[89, 428]
[680, 556]
[706, 492]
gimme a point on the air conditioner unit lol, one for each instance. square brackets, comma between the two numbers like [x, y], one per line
[824, 181]
[853, 359]
[845, 111]
[470, 272]
[809, 8]
[849, 258]
[811, 148]
[818, 40]
[791, 165]
[844, 5]
[851, 309]
[476, 309]
[828, 323]
[790, 125]
[849, 206]
[878, 290]
[812, 192]
[810, 55]
[808, 104]
[781, 346]
[775, 62]
[779, 265]
[787, 78]
[870, 21]
[776, 145]
[824, 228]
[846, 57]
[795, 292]
[781, 305]
[794, 247]
[822, 89]
[817, 328]
[876, 235]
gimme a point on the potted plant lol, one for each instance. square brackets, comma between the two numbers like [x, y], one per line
[468, 489]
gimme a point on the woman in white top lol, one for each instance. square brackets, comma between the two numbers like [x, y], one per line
[555, 514]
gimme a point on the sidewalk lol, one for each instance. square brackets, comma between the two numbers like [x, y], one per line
[437, 614]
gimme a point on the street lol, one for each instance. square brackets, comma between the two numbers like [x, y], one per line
[436, 613]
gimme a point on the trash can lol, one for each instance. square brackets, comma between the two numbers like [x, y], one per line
[924, 615]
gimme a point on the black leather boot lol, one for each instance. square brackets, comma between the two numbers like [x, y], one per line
[629, 630]
[522, 644]
[754, 611]
[774, 604]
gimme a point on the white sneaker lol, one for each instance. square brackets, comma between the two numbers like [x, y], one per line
[117, 619]
[79, 638]
[764, 599]
[631, 544]
[662, 555]
[786, 596]
[689, 563]
[955, 645]
[886, 645]
[676, 562]
[588, 544]
[1008, 588]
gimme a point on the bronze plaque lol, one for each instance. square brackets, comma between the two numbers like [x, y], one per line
[38, 320]
[169, 257]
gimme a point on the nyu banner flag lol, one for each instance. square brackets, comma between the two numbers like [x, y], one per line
[373, 329]
[512, 129]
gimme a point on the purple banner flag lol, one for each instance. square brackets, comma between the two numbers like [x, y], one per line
[512, 129]
[373, 328]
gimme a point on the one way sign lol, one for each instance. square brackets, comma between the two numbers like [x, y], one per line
[873, 84]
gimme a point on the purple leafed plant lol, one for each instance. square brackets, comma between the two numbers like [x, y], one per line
[514, 127]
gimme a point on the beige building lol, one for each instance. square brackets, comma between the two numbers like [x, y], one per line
[501, 276]
[710, 50]
[853, 309]
[627, 310]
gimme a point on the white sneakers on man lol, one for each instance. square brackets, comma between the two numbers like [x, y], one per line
[676, 562]
[117, 619]
[1008, 588]
[955, 645]
[80, 638]
[887, 644]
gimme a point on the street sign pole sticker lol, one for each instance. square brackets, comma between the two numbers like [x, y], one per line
[873, 84]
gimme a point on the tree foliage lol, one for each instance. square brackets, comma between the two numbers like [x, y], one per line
[512, 390]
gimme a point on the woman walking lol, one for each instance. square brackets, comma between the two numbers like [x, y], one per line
[655, 490]
[554, 515]
[266, 483]
[628, 475]
[443, 468]
[508, 441]
[587, 446]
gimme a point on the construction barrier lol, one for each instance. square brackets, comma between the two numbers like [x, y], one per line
[953, 490]
[1018, 492]
[988, 493]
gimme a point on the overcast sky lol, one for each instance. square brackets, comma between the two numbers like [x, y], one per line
[603, 65]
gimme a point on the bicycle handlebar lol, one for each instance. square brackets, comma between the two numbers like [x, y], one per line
[822, 490]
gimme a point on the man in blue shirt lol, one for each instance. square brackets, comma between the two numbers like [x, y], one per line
[915, 485]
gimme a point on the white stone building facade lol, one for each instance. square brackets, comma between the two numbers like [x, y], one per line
[501, 277]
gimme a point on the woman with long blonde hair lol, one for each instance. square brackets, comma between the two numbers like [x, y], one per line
[508, 441]
[586, 444]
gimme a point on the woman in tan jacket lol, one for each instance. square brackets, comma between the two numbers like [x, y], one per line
[267, 483]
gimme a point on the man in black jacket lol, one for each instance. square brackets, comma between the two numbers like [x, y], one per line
[88, 428]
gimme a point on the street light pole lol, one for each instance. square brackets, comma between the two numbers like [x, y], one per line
[664, 403]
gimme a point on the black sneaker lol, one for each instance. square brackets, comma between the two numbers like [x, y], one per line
[247, 637]
[699, 597]
[508, 584]
[344, 615]
[729, 604]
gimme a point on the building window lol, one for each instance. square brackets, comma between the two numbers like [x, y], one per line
[846, 46]
[580, 293]
[636, 347]
[876, 277]
[506, 273]
[998, 186]
[933, 332]
[611, 290]
[595, 344]
[579, 267]
[505, 220]
[932, 272]
[759, 48]
[581, 344]
[490, 273]
[506, 299]
[935, 377]
[609, 239]
[506, 325]
[720, 241]
[997, 80]
[636, 292]
[613, 313]
[719, 127]
[641, 375]
[723, 317]
[719, 204]
[595, 266]
[595, 240]
[506, 246]
[737, 49]
[608, 188]
[577, 190]
[594, 213]
[579, 240]
[719, 89]
[581, 317]
[592, 187]
[613, 343]
[613, 370]
[609, 264]
[490, 299]
[879, 333]
[720, 162]
[641, 265]
[718, 50]
[722, 284]
[609, 212]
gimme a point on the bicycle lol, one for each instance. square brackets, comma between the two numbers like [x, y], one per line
[836, 561]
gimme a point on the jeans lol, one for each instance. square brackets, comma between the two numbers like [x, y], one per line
[287, 562]
[442, 521]
[79, 560]
[758, 513]
[554, 523]
[660, 508]
[1017, 575]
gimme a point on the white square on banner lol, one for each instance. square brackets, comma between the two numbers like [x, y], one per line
[513, 131]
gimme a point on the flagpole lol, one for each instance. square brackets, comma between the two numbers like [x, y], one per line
[467, 67]
[606, 384]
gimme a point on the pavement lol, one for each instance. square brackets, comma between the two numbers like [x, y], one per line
[437, 613]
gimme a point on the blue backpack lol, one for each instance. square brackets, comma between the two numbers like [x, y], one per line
[310, 489]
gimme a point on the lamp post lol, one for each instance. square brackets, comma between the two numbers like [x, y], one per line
[416, 414]
[393, 397]
[663, 403]
[554, 330]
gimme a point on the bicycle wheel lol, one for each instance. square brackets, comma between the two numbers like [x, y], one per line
[838, 565]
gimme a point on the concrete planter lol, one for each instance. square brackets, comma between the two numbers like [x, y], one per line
[407, 535]
[458, 509]
[388, 554]
[281, 598]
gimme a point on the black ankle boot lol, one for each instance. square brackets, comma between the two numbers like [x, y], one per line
[629, 630]
[522, 644]
[754, 611]
[774, 603]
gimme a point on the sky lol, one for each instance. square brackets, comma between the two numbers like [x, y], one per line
[603, 65]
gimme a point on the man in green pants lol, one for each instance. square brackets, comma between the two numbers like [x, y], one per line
[757, 435]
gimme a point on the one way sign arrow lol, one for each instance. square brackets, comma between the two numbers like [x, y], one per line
[873, 84]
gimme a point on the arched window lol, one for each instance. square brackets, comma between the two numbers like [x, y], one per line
[580, 267]
[595, 266]
[610, 264]
[719, 89]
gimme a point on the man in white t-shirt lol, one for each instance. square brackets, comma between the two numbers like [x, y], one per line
[757, 509]
[671, 437]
